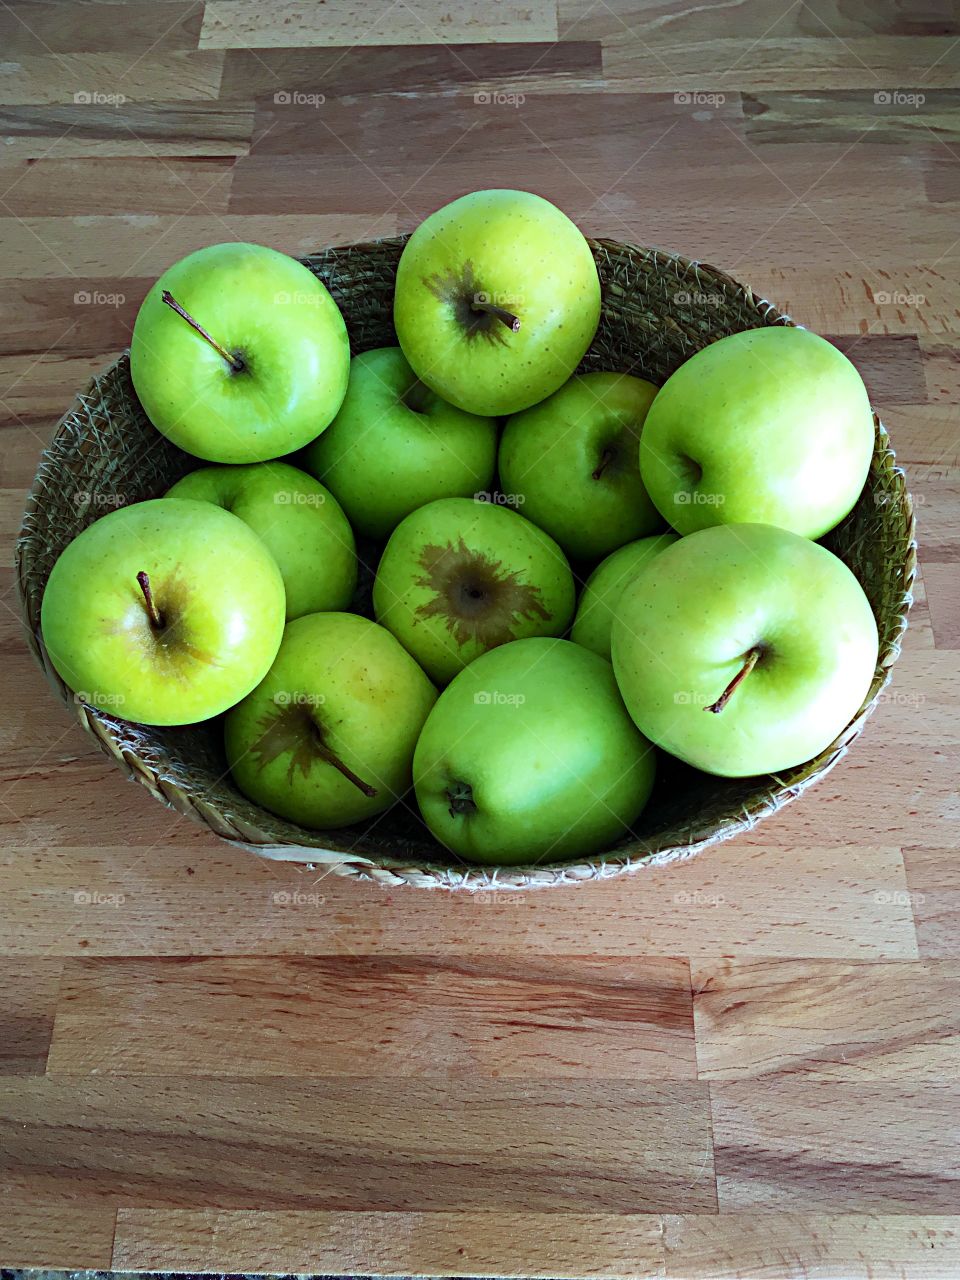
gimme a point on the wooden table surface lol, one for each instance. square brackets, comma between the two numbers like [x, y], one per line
[747, 1065]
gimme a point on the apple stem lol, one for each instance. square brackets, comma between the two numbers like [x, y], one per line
[605, 459]
[505, 317]
[153, 613]
[332, 758]
[750, 662]
[234, 361]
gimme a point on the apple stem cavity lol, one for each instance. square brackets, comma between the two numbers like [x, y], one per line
[750, 662]
[332, 758]
[606, 458]
[460, 795]
[505, 317]
[235, 362]
[153, 613]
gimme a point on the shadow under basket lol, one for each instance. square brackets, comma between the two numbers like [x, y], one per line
[658, 310]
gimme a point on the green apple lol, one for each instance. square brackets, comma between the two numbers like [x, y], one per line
[744, 649]
[300, 522]
[769, 426]
[165, 612]
[601, 594]
[460, 577]
[239, 354]
[395, 445]
[529, 755]
[571, 462]
[497, 301]
[327, 738]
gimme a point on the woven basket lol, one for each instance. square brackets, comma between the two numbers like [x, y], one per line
[658, 309]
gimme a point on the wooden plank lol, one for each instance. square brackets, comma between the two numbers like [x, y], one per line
[36, 389]
[887, 299]
[153, 186]
[145, 129]
[355, 71]
[891, 366]
[615, 1018]
[201, 896]
[28, 999]
[797, 1246]
[247, 24]
[828, 1020]
[832, 1146]
[57, 1234]
[933, 877]
[777, 64]
[35, 29]
[942, 364]
[945, 611]
[73, 315]
[918, 116]
[144, 244]
[463, 1243]
[111, 79]
[355, 1144]
[672, 23]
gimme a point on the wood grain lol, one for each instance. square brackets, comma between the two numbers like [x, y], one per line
[818, 1019]
[465, 1243]
[349, 1142]
[456, 1016]
[826, 1146]
[770, 1246]
[42, 1233]
[741, 1066]
[242, 24]
[28, 1002]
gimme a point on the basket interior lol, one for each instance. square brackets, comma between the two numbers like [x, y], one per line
[657, 311]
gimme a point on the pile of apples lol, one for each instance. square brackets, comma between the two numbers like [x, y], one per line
[670, 532]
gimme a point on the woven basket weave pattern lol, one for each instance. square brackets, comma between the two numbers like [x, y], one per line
[658, 309]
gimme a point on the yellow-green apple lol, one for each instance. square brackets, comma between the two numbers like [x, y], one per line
[744, 649]
[572, 463]
[327, 738]
[600, 597]
[529, 755]
[497, 300]
[165, 612]
[460, 577]
[239, 354]
[395, 445]
[301, 523]
[768, 426]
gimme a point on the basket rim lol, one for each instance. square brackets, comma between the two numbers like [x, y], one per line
[390, 871]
